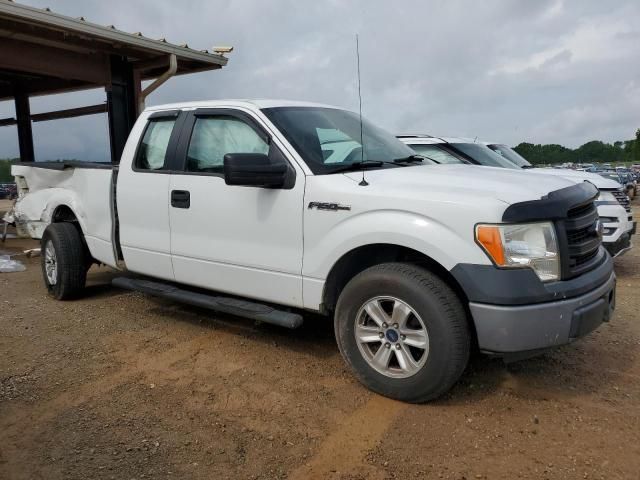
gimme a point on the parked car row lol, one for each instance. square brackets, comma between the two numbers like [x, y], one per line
[268, 209]
[8, 190]
[627, 178]
[612, 203]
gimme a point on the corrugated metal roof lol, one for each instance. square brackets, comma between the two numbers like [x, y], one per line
[13, 11]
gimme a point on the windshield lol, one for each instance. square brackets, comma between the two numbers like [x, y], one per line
[483, 155]
[328, 139]
[612, 176]
[434, 152]
[510, 154]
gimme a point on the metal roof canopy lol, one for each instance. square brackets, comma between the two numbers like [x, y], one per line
[44, 53]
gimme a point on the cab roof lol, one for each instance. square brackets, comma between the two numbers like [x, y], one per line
[251, 104]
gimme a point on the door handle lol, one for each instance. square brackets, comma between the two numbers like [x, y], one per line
[180, 199]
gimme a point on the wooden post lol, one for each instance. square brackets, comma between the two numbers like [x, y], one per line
[23, 117]
[120, 104]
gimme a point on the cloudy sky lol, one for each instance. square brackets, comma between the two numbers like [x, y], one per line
[547, 71]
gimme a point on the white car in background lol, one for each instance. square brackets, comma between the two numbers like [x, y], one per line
[613, 204]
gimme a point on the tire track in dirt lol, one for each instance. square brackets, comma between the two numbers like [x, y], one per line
[344, 449]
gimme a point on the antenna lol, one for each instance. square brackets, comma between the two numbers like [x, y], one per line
[363, 182]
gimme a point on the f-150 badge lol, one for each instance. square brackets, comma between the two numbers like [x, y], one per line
[334, 207]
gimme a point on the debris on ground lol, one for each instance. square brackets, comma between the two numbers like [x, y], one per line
[7, 265]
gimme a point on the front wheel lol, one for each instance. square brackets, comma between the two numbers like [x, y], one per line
[403, 332]
[63, 258]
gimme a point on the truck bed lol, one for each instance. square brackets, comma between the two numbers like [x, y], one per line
[48, 189]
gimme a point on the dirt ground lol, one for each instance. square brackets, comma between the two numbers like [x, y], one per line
[122, 386]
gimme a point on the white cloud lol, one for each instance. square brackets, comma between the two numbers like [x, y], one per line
[598, 38]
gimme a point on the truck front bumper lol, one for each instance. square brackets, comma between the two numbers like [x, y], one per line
[508, 329]
[514, 312]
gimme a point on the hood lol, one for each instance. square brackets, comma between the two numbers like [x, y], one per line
[466, 181]
[577, 176]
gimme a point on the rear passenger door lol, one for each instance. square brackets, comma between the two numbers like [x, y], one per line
[235, 239]
[143, 196]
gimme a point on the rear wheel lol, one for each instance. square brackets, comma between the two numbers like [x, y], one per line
[403, 331]
[63, 258]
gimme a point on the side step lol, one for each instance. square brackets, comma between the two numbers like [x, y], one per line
[234, 306]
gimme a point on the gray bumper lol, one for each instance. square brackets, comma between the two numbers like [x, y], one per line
[509, 329]
[619, 247]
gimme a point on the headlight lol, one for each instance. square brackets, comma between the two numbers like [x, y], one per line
[532, 245]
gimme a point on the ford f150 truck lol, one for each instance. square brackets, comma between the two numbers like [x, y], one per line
[613, 204]
[247, 207]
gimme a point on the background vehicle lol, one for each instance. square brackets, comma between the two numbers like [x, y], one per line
[8, 190]
[623, 179]
[238, 198]
[613, 205]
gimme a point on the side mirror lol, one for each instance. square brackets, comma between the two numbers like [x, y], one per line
[253, 170]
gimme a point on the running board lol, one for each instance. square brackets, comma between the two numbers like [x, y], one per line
[233, 306]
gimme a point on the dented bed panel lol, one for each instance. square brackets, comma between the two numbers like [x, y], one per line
[86, 191]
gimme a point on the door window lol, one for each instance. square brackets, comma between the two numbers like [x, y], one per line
[153, 149]
[214, 137]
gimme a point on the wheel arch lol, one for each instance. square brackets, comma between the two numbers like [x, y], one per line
[63, 213]
[360, 258]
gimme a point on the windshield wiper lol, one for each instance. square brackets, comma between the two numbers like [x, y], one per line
[364, 164]
[416, 158]
[411, 158]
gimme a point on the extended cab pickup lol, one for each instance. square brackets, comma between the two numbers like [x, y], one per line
[254, 208]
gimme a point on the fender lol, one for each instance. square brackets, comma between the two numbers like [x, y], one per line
[34, 212]
[82, 190]
[394, 227]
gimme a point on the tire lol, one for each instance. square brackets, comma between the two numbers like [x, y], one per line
[62, 247]
[434, 307]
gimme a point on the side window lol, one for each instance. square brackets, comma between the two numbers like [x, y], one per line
[153, 149]
[214, 137]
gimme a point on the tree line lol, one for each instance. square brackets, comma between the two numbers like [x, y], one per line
[5, 171]
[622, 151]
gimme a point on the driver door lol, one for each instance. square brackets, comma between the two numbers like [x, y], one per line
[234, 239]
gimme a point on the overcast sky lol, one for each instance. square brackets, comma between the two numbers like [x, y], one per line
[547, 71]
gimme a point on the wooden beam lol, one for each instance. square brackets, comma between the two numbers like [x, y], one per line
[53, 62]
[70, 113]
[7, 122]
[47, 86]
[59, 114]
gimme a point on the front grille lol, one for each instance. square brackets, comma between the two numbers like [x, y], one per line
[582, 210]
[622, 199]
[583, 239]
[578, 236]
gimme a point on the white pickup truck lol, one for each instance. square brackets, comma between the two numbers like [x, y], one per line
[248, 207]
